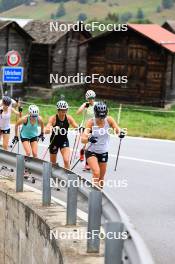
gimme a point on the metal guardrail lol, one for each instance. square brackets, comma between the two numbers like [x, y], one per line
[102, 211]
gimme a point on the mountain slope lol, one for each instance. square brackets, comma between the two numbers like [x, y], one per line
[92, 9]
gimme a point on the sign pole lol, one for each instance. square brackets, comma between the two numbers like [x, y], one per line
[2, 91]
[11, 90]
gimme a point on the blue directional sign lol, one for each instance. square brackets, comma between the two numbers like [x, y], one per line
[12, 74]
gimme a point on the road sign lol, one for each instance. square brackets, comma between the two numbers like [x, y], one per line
[12, 74]
[13, 58]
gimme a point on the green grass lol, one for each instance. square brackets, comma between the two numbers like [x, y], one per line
[139, 123]
[98, 10]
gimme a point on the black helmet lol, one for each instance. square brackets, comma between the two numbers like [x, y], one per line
[6, 100]
[100, 110]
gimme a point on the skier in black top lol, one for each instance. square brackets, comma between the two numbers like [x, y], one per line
[59, 124]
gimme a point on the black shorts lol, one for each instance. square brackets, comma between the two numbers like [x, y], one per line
[56, 145]
[102, 158]
[7, 131]
[29, 139]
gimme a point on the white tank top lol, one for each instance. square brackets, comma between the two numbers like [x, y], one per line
[103, 136]
[88, 113]
[5, 119]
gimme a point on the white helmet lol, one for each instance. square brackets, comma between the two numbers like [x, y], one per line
[90, 94]
[33, 110]
[62, 105]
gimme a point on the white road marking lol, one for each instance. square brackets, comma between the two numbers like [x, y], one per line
[145, 160]
[134, 159]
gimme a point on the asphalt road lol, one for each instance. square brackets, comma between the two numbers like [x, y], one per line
[144, 188]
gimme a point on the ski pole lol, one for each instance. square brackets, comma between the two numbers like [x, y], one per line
[74, 147]
[118, 154]
[13, 146]
[48, 147]
[79, 158]
[81, 126]
[75, 164]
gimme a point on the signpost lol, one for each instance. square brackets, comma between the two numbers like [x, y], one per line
[13, 58]
[12, 73]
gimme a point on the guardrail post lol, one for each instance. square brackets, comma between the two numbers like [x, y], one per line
[47, 174]
[94, 221]
[72, 192]
[20, 173]
[113, 246]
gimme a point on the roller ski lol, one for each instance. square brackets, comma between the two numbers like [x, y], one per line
[6, 171]
[15, 141]
[28, 176]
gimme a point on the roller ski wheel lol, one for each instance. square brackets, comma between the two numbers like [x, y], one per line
[6, 169]
[28, 177]
[86, 168]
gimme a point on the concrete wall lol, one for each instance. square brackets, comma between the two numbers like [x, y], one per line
[25, 227]
[17, 244]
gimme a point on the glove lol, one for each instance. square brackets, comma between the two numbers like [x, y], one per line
[122, 133]
[20, 108]
[41, 136]
[15, 140]
[1, 111]
[86, 105]
[93, 139]
[80, 129]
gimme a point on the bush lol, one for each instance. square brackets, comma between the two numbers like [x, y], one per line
[125, 17]
[83, 1]
[167, 4]
[159, 9]
[60, 11]
[112, 17]
[82, 17]
[140, 14]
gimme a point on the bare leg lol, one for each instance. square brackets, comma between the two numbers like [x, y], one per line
[103, 166]
[53, 158]
[94, 166]
[65, 152]
[34, 147]
[27, 148]
[5, 141]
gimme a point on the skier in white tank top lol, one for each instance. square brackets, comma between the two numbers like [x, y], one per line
[87, 109]
[5, 115]
[97, 134]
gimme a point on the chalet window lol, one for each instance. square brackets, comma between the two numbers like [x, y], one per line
[116, 52]
[116, 69]
[137, 52]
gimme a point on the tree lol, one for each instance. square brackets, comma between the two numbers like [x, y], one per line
[125, 17]
[52, 16]
[82, 17]
[112, 17]
[83, 1]
[167, 4]
[140, 14]
[61, 10]
[159, 9]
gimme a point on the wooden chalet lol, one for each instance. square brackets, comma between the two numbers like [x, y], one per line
[169, 25]
[143, 53]
[13, 37]
[54, 52]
